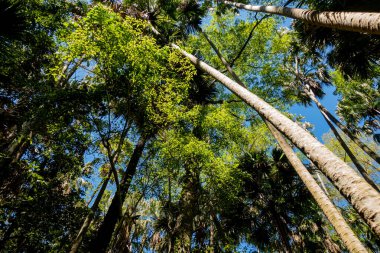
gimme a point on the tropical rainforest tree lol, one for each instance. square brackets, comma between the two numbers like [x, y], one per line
[326, 205]
[112, 141]
[318, 153]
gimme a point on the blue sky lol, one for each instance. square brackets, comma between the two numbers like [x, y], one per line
[312, 114]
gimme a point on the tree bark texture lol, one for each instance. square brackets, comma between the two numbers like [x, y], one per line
[332, 213]
[357, 191]
[364, 22]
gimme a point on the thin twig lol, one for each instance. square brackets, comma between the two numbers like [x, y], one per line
[248, 39]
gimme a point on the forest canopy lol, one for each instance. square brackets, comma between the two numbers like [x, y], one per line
[189, 126]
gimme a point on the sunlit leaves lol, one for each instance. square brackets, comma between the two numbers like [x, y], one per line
[121, 56]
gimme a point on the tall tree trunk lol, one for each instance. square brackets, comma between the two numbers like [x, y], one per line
[365, 22]
[357, 191]
[113, 158]
[212, 235]
[282, 230]
[354, 160]
[342, 127]
[95, 193]
[103, 237]
[188, 209]
[87, 222]
[188, 203]
[332, 213]
[328, 208]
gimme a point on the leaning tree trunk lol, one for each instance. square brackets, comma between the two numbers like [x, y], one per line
[353, 158]
[104, 235]
[113, 158]
[87, 222]
[357, 191]
[342, 127]
[333, 215]
[328, 120]
[365, 22]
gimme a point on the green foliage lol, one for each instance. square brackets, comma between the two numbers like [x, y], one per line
[81, 82]
[359, 102]
[363, 158]
[120, 56]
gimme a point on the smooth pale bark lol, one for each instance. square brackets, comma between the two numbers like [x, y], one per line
[356, 190]
[322, 183]
[365, 22]
[342, 127]
[333, 215]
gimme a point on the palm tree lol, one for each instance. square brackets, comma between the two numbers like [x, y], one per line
[309, 85]
[342, 127]
[328, 208]
[268, 211]
[360, 194]
[364, 22]
[362, 49]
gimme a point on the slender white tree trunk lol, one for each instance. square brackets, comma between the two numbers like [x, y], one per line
[357, 191]
[333, 215]
[365, 22]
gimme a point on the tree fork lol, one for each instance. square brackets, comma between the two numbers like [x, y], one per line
[103, 238]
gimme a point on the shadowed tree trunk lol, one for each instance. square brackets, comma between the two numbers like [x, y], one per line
[87, 222]
[188, 209]
[113, 158]
[357, 191]
[104, 235]
[365, 22]
[282, 229]
[13, 155]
